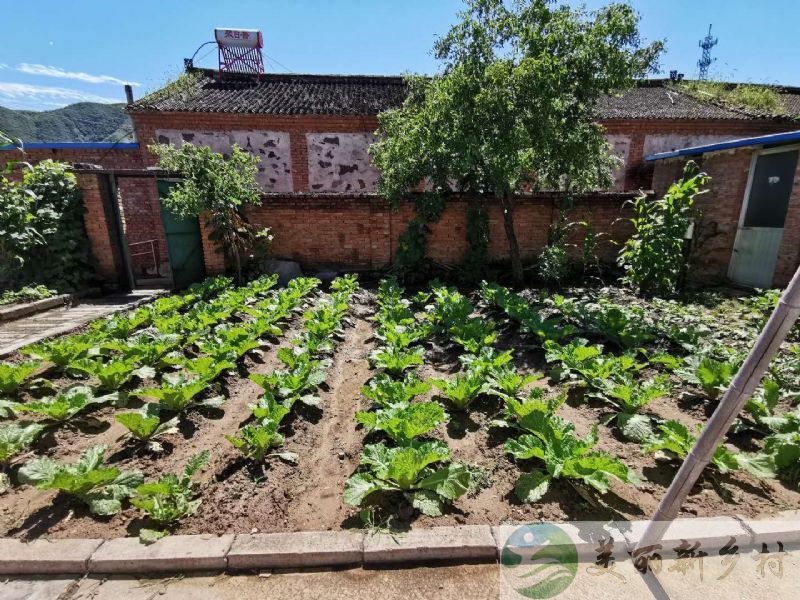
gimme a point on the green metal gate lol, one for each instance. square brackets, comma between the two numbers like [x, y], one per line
[184, 244]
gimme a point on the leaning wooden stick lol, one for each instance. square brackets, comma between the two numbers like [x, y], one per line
[741, 388]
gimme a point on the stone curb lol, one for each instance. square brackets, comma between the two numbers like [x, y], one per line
[11, 313]
[464, 542]
[42, 556]
[784, 530]
[712, 533]
[585, 537]
[171, 553]
[70, 327]
[331, 549]
[31, 308]
[296, 550]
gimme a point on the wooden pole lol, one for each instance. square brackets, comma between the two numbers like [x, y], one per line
[741, 388]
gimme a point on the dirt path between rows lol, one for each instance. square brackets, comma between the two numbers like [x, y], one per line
[306, 496]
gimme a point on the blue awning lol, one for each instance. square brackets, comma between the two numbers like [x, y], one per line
[774, 138]
[73, 146]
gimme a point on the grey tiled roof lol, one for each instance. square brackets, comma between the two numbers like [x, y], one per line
[368, 95]
[654, 99]
[661, 103]
[281, 94]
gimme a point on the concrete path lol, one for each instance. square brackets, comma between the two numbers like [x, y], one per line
[28, 330]
[750, 576]
[463, 582]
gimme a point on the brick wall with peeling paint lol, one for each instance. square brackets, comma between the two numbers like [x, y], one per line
[667, 142]
[621, 145]
[340, 162]
[272, 147]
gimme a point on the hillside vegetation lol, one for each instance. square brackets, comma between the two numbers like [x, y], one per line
[81, 122]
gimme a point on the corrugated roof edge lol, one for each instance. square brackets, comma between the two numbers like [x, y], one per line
[772, 138]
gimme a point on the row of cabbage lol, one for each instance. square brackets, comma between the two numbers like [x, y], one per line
[405, 461]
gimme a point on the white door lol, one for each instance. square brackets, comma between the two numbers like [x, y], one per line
[763, 216]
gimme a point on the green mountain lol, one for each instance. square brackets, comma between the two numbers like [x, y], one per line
[81, 122]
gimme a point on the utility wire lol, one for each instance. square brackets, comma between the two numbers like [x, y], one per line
[117, 142]
[277, 62]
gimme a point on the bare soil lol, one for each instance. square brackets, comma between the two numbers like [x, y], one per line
[240, 498]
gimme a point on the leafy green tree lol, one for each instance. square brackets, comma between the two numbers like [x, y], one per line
[218, 188]
[653, 257]
[512, 108]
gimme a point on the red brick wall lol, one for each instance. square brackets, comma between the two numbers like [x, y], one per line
[296, 125]
[721, 208]
[348, 231]
[639, 174]
[138, 198]
[141, 217]
[789, 252]
[99, 220]
[110, 158]
[213, 258]
[722, 205]
[665, 173]
[363, 231]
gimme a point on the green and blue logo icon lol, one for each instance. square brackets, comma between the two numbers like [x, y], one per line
[538, 561]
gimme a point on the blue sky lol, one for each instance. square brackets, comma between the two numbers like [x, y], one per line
[55, 52]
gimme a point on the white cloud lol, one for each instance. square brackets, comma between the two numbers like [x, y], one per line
[50, 71]
[3, 66]
[25, 95]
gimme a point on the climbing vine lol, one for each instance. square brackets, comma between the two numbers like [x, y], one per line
[428, 207]
[476, 257]
[553, 263]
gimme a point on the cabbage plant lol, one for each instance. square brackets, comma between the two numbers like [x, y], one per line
[12, 376]
[404, 423]
[101, 488]
[421, 472]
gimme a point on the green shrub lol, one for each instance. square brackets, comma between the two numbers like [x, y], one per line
[42, 236]
[218, 188]
[28, 293]
[553, 265]
[653, 256]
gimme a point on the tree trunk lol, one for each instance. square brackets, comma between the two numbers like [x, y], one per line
[507, 202]
[238, 262]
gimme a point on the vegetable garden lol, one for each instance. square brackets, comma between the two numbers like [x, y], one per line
[314, 406]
